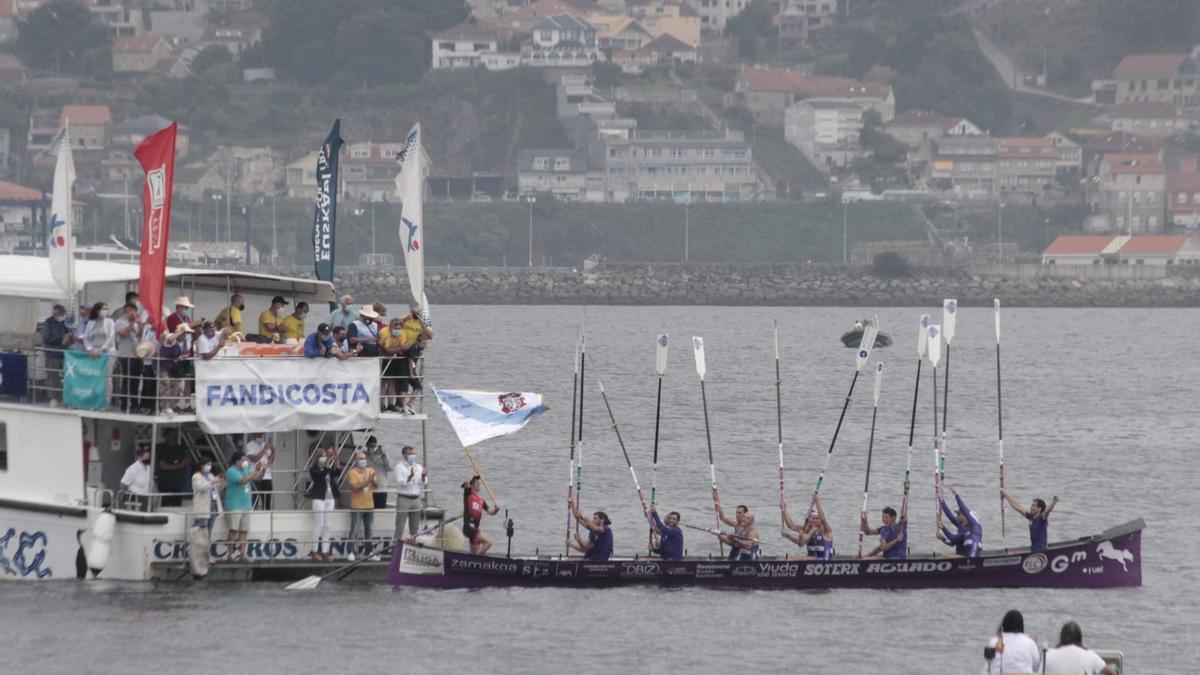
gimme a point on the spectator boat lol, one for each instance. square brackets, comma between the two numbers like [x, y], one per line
[1111, 559]
[852, 338]
[61, 508]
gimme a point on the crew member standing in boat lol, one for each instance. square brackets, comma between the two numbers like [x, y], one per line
[968, 539]
[670, 536]
[473, 508]
[815, 535]
[1038, 515]
[743, 543]
[599, 544]
[892, 536]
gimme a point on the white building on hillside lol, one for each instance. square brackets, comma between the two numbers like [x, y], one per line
[826, 131]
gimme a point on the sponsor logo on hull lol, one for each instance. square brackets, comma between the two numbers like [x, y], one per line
[422, 561]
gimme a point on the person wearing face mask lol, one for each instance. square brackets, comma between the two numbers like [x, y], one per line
[137, 482]
[270, 321]
[394, 365]
[54, 336]
[239, 486]
[100, 337]
[364, 332]
[173, 465]
[344, 315]
[362, 481]
[293, 324]
[209, 344]
[383, 470]
[182, 315]
[323, 493]
[411, 479]
[206, 504]
[231, 316]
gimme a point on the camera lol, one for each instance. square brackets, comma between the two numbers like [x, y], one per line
[989, 653]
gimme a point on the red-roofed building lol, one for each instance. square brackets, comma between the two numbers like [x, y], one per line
[768, 92]
[89, 125]
[1096, 147]
[1159, 249]
[1183, 197]
[1132, 193]
[1082, 249]
[1164, 78]
[20, 208]
[138, 54]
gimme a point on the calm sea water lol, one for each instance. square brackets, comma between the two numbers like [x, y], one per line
[1099, 409]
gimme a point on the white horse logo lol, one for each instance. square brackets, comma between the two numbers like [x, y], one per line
[1106, 550]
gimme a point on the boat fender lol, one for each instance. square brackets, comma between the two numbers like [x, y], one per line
[100, 542]
[451, 538]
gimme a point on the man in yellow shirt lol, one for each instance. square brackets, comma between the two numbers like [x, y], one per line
[363, 482]
[270, 322]
[293, 324]
[413, 327]
[391, 349]
[231, 316]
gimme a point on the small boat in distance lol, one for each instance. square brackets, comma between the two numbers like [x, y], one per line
[852, 338]
[1111, 559]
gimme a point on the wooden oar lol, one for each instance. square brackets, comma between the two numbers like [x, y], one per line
[579, 446]
[698, 352]
[617, 430]
[870, 451]
[934, 334]
[312, 581]
[860, 359]
[571, 469]
[922, 342]
[779, 430]
[660, 367]
[949, 314]
[999, 420]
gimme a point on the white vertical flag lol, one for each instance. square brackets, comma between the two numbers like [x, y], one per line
[60, 243]
[410, 186]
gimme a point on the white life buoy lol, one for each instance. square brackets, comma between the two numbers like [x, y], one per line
[100, 542]
[449, 537]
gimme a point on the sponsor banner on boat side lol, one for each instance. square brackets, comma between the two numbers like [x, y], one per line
[639, 570]
[424, 561]
[1034, 563]
[595, 569]
[484, 566]
[567, 570]
[537, 569]
[263, 549]
[267, 394]
[1061, 562]
[1002, 562]
[711, 570]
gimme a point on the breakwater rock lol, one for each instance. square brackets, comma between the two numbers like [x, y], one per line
[800, 285]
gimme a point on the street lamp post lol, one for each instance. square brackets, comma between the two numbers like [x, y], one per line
[532, 201]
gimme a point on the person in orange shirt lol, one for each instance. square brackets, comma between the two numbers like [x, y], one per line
[363, 481]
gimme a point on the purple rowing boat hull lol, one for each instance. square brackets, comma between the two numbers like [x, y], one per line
[1109, 560]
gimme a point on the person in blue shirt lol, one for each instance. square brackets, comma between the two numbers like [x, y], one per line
[319, 344]
[892, 536]
[670, 536]
[967, 540]
[1038, 516]
[815, 535]
[599, 544]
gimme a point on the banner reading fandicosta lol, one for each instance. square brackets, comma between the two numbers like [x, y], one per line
[248, 395]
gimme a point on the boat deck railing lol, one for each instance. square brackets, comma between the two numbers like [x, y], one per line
[150, 386]
[295, 501]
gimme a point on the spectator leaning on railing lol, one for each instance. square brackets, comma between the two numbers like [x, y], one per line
[210, 342]
[342, 349]
[319, 343]
[364, 332]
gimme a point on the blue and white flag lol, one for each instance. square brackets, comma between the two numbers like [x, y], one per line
[479, 415]
[60, 241]
[410, 185]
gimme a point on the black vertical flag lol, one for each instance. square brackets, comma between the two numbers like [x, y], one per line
[325, 213]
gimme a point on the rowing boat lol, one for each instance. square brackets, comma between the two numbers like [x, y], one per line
[1111, 559]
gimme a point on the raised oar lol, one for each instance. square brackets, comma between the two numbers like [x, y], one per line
[571, 470]
[934, 334]
[999, 419]
[660, 367]
[922, 342]
[949, 314]
[779, 429]
[617, 430]
[582, 381]
[860, 359]
[698, 352]
[870, 451]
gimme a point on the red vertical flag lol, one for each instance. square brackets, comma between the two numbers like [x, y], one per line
[157, 155]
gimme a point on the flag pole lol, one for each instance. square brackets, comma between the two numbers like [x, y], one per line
[479, 472]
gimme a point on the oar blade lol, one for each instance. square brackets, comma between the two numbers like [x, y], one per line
[878, 381]
[660, 354]
[698, 352]
[922, 336]
[306, 584]
[996, 303]
[934, 334]
[870, 332]
[776, 340]
[949, 314]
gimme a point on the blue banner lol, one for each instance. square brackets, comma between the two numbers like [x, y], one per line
[14, 374]
[325, 213]
[85, 384]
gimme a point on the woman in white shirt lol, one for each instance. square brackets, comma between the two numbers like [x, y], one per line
[100, 337]
[1070, 658]
[1016, 652]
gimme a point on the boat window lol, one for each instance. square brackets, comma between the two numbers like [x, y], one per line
[3, 446]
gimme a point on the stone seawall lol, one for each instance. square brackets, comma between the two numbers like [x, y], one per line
[814, 285]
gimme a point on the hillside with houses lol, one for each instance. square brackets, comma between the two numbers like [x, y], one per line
[727, 108]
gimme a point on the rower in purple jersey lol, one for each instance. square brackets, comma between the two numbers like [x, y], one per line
[815, 536]
[743, 542]
[968, 539]
[892, 536]
[1038, 515]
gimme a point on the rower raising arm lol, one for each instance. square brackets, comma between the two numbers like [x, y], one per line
[891, 536]
[1038, 516]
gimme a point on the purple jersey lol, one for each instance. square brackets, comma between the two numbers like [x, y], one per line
[1037, 532]
[889, 533]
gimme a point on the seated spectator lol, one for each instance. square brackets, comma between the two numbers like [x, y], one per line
[320, 343]
[210, 342]
[364, 332]
[136, 482]
[174, 468]
[231, 316]
[362, 481]
[293, 324]
[344, 315]
[391, 349]
[342, 349]
[178, 371]
[270, 321]
[182, 314]
[1070, 657]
